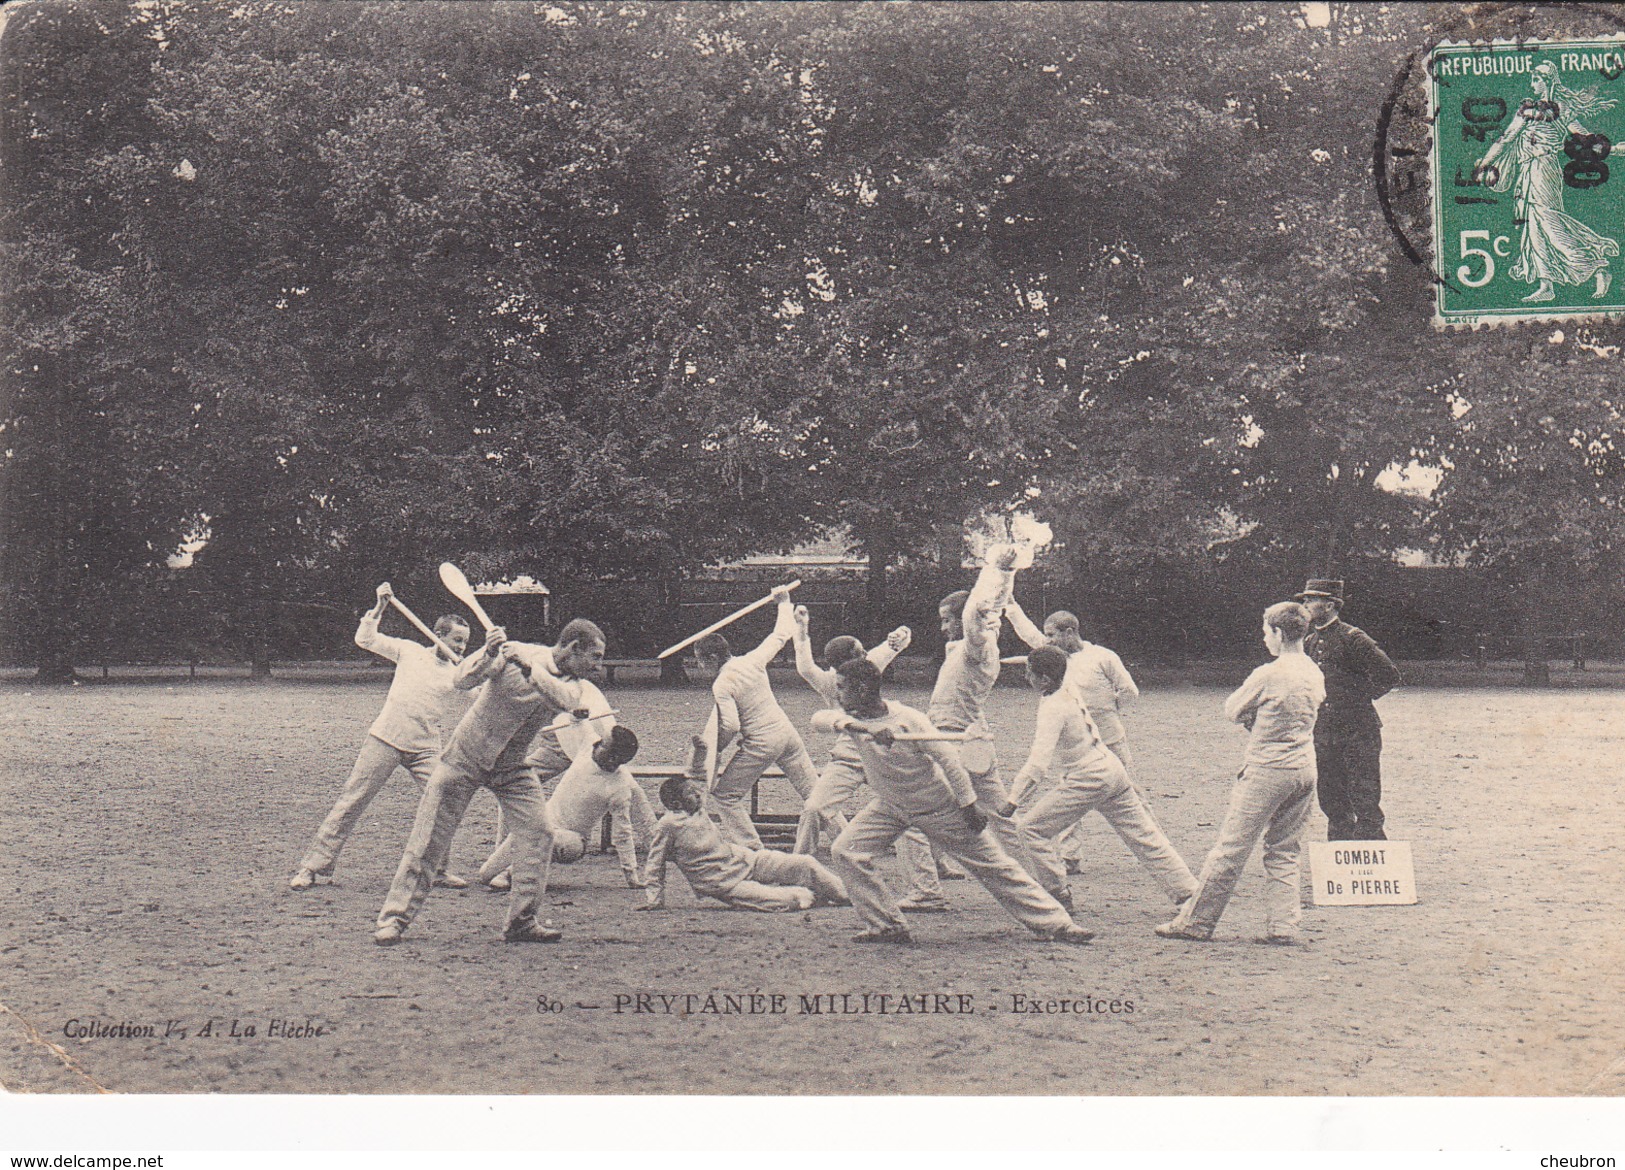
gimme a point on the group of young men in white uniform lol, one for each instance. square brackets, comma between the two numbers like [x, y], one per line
[938, 794]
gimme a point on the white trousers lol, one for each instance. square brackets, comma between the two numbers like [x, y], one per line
[1103, 788]
[374, 765]
[1071, 844]
[440, 812]
[914, 850]
[1272, 803]
[837, 783]
[783, 881]
[731, 796]
[877, 827]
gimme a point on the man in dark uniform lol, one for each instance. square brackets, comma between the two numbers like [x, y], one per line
[1348, 733]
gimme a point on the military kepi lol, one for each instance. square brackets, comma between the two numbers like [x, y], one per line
[1322, 588]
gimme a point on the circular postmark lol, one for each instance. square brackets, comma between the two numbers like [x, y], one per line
[1491, 161]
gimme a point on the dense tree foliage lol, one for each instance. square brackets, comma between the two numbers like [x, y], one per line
[330, 292]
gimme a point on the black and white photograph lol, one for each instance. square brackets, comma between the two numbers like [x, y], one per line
[812, 549]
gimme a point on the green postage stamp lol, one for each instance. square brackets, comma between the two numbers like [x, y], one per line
[1528, 194]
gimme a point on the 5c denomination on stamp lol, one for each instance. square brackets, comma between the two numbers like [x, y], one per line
[1528, 209]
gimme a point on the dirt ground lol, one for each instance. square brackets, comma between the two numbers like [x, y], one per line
[150, 829]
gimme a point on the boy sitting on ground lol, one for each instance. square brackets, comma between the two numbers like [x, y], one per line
[755, 879]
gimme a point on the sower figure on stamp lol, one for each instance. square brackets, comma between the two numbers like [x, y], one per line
[1277, 704]
[1528, 159]
[1348, 735]
[843, 774]
[1087, 777]
[422, 707]
[970, 625]
[751, 879]
[921, 787]
[526, 687]
[1101, 683]
[747, 709]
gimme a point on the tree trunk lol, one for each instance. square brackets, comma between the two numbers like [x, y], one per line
[670, 601]
[58, 613]
[1537, 671]
[259, 639]
[56, 666]
[1334, 523]
[881, 553]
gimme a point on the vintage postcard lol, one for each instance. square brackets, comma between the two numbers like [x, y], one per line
[805, 549]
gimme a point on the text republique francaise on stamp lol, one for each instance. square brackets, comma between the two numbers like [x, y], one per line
[1527, 207]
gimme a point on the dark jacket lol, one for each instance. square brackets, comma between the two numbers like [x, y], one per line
[1357, 673]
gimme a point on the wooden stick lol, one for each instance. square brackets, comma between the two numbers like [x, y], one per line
[930, 736]
[418, 622]
[1013, 660]
[938, 736]
[457, 585]
[568, 720]
[715, 626]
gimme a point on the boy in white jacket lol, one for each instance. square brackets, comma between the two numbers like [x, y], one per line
[1068, 752]
[1278, 705]
[747, 710]
[921, 787]
[423, 706]
[843, 774]
[595, 785]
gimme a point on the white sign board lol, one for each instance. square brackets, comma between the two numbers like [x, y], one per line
[1362, 873]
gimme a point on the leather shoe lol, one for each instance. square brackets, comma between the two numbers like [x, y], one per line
[1171, 930]
[1071, 933]
[532, 933]
[921, 905]
[891, 934]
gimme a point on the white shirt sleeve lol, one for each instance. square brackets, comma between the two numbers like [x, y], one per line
[819, 678]
[829, 720]
[562, 693]
[1117, 674]
[654, 872]
[368, 638]
[727, 709]
[882, 655]
[1239, 707]
[475, 669]
[783, 630]
[984, 610]
[1023, 626]
[1046, 736]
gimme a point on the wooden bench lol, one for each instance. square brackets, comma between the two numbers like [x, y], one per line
[611, 665]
